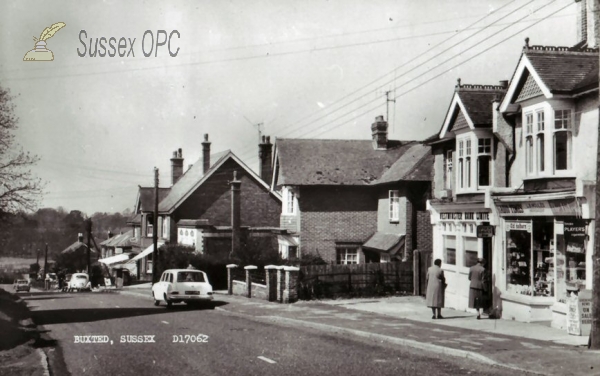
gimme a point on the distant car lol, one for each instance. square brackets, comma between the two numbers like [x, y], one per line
[182, 285]
[79, 282]
[22, 285]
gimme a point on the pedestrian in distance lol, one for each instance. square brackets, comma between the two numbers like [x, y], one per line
[476, 287]
[436, 288]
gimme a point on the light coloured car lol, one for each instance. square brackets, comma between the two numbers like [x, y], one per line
[22, 285]
[182, 285]
[79, 282]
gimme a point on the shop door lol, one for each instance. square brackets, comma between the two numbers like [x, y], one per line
[487, 254]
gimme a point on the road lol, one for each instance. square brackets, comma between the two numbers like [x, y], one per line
[229, 345]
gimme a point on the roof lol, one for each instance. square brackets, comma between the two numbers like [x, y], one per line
[415, 164]
[563, 70]
[188, 181]
[382, 241]
[146, 197]
[120, 240]
[77, 246]
[342, 162]
[136, 219]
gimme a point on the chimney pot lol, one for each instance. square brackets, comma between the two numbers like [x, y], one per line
[268, 139]
[176, 166]
[504, 84]
[379, 132]
[265, 156]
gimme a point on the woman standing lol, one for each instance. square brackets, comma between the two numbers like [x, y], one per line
[436, 285]
[476, 276]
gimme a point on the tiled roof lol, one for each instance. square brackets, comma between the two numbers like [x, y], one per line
[415, 164]
[564, 70]
[136, 219]
[147, 197]
[478, 102]
[383, 242]
[187, 182]
[120, 240]
[338, 162]
[77, 246]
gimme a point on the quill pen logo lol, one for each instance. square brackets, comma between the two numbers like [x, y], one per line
[40, 52]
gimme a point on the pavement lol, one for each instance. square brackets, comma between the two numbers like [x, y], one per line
[524, 347]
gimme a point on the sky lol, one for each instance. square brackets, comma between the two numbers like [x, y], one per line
[310, 69]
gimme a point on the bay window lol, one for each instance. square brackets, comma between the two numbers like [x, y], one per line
[529, 154]
[461, 167]
[540, 140]
[562, 139]
[484, 162]
[448, 170]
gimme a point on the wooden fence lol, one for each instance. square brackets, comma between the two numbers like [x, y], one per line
[332, 281]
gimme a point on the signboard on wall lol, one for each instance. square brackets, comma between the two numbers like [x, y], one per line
[579, 313]
[485, 231]
[465, 216]
[568, 206]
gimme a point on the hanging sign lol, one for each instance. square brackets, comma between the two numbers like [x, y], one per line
[484, 231]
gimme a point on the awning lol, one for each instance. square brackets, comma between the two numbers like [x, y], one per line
[114, 259]
[144, 253]
[384, 242]
[287, 240]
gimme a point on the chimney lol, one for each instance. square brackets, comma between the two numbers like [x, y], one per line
[205, 154]
[379, 132]
[582, 29]
[504, 84]
[80, 237]
[265, 156]
[235, 213]
[110, 234]
[176, 166]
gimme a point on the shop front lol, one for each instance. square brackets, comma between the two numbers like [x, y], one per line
[461, 234]
[546, 256]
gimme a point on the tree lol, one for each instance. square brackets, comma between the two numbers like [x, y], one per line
[20, 190]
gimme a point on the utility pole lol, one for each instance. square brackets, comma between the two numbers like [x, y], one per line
[155, 229]
[88, 229]
[594, 340]
[46, 267]
[387, 106]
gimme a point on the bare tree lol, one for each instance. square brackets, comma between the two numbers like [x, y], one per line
[20, 190]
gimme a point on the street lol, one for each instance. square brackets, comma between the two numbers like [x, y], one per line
[114, 334]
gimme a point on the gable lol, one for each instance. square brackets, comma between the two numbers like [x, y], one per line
[460, 122]
[530, 89]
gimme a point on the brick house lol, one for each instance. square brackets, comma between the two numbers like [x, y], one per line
[351, 201]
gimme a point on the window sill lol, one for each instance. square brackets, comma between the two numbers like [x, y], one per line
[566, 175]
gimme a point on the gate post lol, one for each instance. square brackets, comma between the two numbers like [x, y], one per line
[230, 268]
[416, 272]
[249, 269]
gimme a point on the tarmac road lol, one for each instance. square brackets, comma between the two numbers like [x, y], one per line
[190, 341]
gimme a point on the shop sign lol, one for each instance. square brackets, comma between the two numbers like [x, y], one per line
[467, 216]
[579, 313]
[518, 226]
[485, 231]
[567, 206]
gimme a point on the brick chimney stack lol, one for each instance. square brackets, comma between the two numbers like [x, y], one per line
[235, 214]
[205, 154]
[379, 131]
[176, 166]
[587, 22]
[265, 157]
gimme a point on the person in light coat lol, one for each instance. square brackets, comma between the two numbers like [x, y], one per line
[436, 286]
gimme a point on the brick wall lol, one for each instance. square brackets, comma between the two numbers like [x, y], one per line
[424, 232]
[212, 200]
[330, 214]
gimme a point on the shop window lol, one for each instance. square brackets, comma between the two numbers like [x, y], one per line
[450, 249]
[575, 245]
[470, 246]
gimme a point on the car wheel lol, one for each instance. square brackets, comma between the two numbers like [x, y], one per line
[156, 301]
[169, 303]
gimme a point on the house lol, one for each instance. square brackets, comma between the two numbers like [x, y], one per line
[469, 160]
[352, 201]
[546, 217]
[115, 251]
[197, 210]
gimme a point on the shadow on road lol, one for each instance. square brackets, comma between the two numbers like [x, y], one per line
[64, 316]
[47, 297]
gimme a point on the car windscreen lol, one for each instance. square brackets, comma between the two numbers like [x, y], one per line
[80, 277]
[190, 277]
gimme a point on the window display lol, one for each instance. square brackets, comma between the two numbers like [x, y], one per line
[575, 241]
[518, 254]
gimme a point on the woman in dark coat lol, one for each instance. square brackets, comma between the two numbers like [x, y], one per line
[476, 276]
[436, 285]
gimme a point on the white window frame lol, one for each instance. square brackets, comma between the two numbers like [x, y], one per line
[149, 227]
[394, 207]
[484, 150]
[349, 255]
[449, 166]
[290, 203]
[566, 126]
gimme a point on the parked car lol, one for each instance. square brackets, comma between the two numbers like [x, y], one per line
[182, 285]
[21, 285]
[79, 282]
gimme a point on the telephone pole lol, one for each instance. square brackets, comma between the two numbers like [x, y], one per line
[88, 229]
[594, 340]
[155, 229]
[387, 106]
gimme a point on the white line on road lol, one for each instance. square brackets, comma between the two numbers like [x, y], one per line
[267, 359]
[164, 322]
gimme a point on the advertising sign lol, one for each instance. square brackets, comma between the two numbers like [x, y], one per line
[560, 207]
[484, 231]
